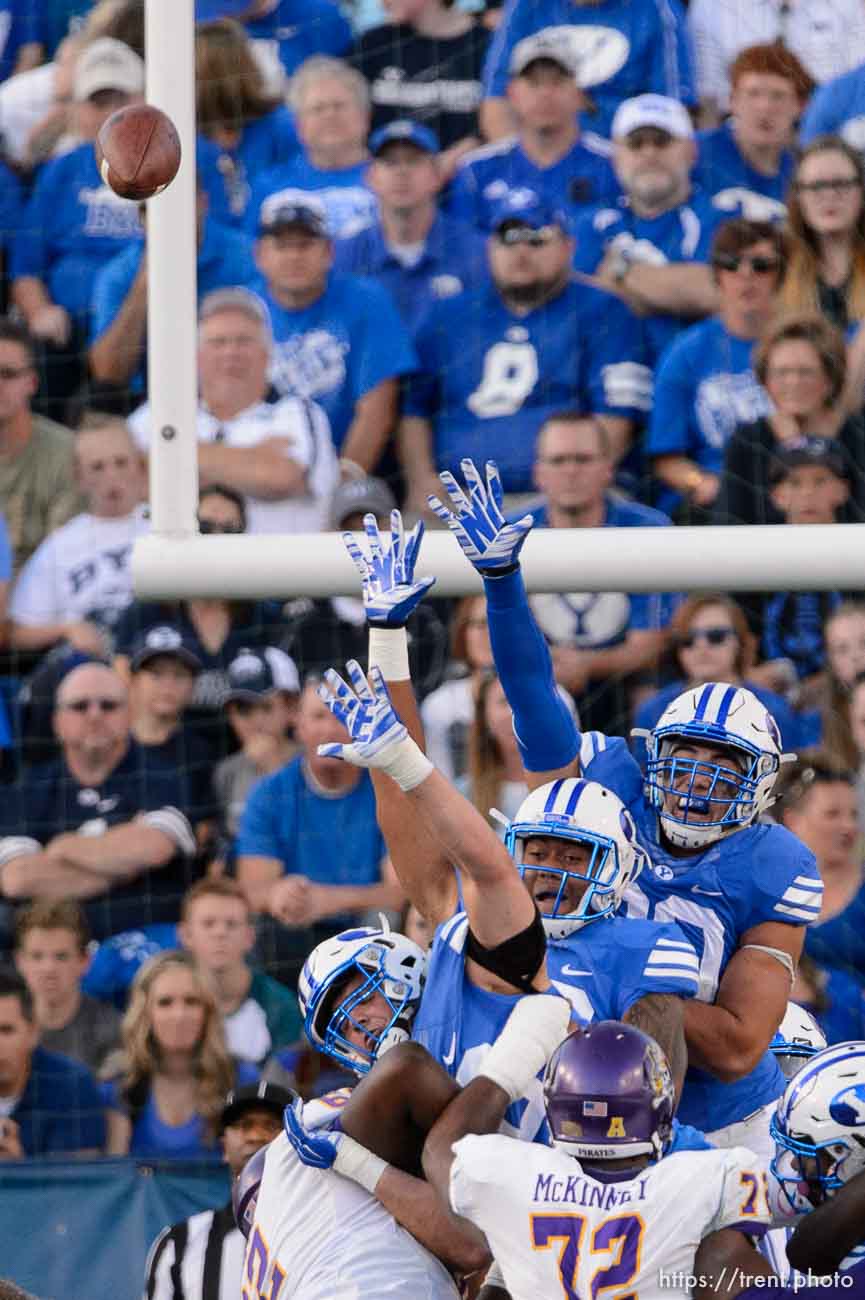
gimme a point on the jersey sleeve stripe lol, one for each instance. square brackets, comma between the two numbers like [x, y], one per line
[801, 895]
[681, 944]
[457, 938]
[688, 978]
[172, 823]
[627, 383]
[802, 912]
[688, 960]
[813, 882]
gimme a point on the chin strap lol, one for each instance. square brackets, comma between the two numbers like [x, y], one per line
[778, 953]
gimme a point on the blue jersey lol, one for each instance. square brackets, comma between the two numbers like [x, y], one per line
[593, 620]
[72, 226]
[704, 387]
[839, 941]
[762, 873]
[349, 204]
[297, 29]
[735, 187]
[622, 49]
[837, 108]
[489, 377]
[20, 25]
[503, 170]
[330, 840]
[224, 259]
[60, 1109]
[265, 142]
[339, 348]
[602, 969]
[11, 207]
[453, 258]
[682, 234]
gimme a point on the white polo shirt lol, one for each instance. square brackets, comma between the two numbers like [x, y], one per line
[306, 430]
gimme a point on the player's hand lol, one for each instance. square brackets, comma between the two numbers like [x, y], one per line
[386, 568]
[476, 520]
[316, 1149]
[378, 738]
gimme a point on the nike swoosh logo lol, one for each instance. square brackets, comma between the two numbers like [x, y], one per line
[710, 893]
[572, 970]
[449, 1057]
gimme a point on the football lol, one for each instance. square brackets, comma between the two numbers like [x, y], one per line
[138, 151]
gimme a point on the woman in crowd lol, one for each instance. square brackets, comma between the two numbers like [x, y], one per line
[496, 778]
[249, 130]
[713, 643]
[830, 694]
[819, 805]
[215, 630]
[826, 233]
[176, 1068]
[802, 364]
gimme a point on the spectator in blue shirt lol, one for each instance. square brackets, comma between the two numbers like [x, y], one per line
[705, 384]
[251, 129]
[331, 108]
[621, 48]
[290, 31]
[652, 248]
[746, 164]
[74, 224]
[22, 40]
[499, 359]
[310, 852]
[118, 324]
[547, 159]
[337, 339]
[415, 252]
[50, 1104]
[597, 639]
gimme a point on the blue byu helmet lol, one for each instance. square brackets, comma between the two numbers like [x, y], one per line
[799, 1037]
[684, 790]
[588, 814]
[819, 1126]
[387, 963]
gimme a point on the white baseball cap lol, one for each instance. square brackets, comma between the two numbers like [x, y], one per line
[652, 110]
[107, 64]
[545, 44]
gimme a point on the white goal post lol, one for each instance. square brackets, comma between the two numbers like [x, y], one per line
[174, 562]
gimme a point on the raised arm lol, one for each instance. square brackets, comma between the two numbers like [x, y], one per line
[548, 738]
[497, 902]
[390, 595]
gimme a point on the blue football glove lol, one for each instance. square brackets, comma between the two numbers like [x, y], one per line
[378, 738]
[476, 520]
[390, 593]
[316, 1149]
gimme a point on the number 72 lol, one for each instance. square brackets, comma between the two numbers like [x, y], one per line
[620, 1237]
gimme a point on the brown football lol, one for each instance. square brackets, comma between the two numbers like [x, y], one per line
[138, 151]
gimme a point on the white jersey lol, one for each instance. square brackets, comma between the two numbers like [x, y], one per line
[318, 1236]
[554, 1229]
[303, 426]
[80, 571]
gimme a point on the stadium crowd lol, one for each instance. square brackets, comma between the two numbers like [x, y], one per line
[616, 247]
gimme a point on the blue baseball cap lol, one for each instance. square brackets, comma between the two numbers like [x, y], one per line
[206, 11]
[160, 642]
[404, 132]
[527, 208]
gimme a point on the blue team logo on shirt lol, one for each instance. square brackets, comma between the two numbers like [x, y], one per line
[848, 1106]
[725, 400]
[108, 214]
[309, 364]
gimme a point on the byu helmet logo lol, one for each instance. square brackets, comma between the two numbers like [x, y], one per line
[848, 1106]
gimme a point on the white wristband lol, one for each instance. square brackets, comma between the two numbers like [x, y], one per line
[388, 650]
[408, 765]
[361, 1166]
[532, 1033]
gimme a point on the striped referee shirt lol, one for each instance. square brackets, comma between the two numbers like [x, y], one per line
[198, 1259]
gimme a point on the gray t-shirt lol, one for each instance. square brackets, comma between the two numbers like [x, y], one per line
[89, 1036]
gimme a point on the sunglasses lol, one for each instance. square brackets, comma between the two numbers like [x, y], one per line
[833, 185]
[512, 235]
[211, 526]
[711, 635]
[82, 706]
[759, 265]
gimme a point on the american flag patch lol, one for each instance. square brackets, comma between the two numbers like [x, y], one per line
[597, 1109]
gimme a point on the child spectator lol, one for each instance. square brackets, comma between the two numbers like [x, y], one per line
[51, 939]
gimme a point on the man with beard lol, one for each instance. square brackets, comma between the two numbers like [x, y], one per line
[652, 247]
[498, 360]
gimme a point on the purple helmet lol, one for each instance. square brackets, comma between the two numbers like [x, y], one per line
[244, 1191]
[609, 1093]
